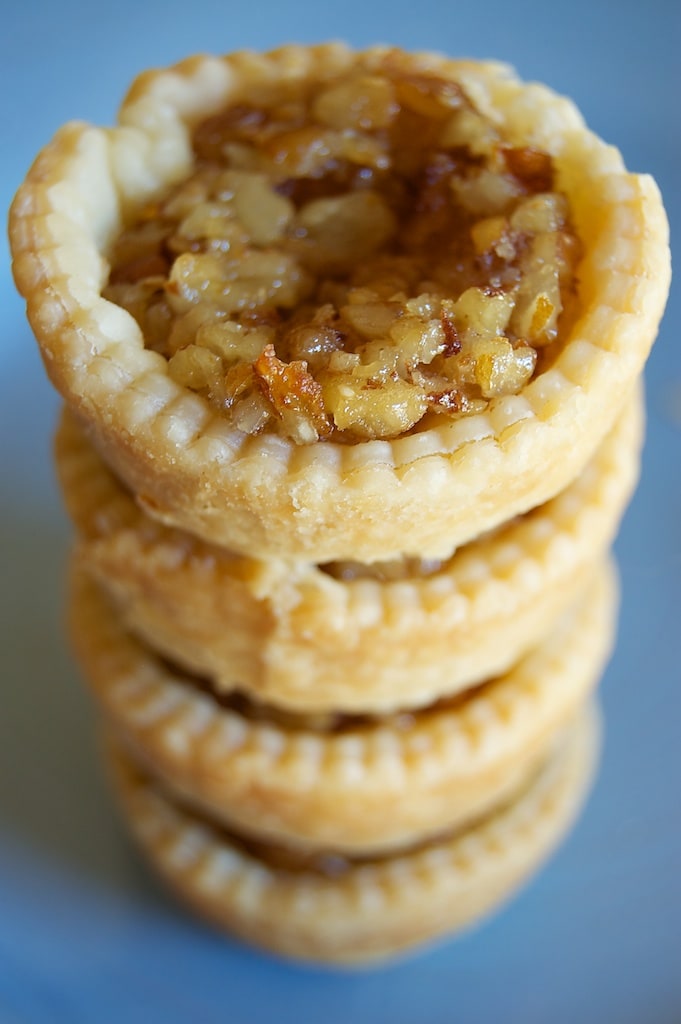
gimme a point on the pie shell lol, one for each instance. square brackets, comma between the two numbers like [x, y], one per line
[370, 786]
[373, 911]
[291, 635]
[422, 494]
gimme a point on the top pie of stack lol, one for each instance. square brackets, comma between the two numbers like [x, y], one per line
[322, 304]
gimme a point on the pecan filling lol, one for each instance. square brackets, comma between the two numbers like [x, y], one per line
[352, 261]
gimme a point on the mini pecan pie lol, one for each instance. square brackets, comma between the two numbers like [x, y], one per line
[344, 636]
[340, 911]
[332, 305]
[352, 783]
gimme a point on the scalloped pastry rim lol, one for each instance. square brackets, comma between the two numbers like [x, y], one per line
[422, 494]
[320, 643]
[376, 911]
[372, 787]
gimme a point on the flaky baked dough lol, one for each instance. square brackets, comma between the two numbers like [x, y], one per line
[422, 494]
[291, 635]
[371, 787]
[373, 911]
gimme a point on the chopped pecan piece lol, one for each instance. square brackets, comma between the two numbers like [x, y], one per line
[295, 395]
[351, 256]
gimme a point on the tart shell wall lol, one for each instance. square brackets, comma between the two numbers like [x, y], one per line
[373, 911]
[371, 786]
[291, 635]
[423, 494]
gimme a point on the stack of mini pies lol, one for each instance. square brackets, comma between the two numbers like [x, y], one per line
[347, 687]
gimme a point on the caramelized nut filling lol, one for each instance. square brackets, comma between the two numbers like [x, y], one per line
[353, 261]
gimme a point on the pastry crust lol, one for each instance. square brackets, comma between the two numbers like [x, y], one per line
[422, 494]
[371, 786]
[294, 636]
[372, 911]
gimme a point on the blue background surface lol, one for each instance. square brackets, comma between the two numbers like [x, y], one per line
[86, 935]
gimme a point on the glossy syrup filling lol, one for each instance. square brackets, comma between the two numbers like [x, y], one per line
[353, 261]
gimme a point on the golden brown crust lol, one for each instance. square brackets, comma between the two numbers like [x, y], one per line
[370, 912]
[299, 638]
[422, 494]
[375, 786]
